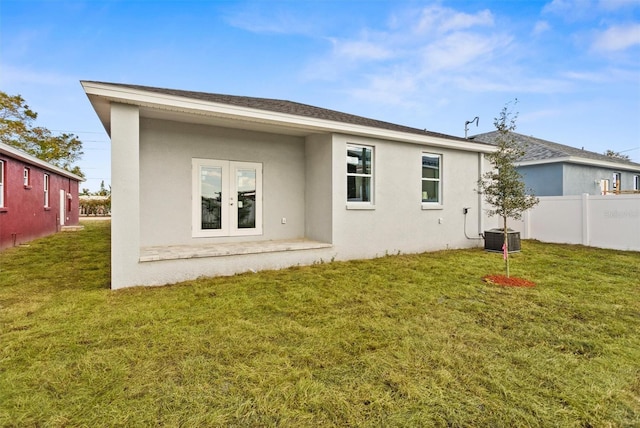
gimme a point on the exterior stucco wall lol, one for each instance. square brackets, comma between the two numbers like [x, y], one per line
[304, 181]
[581, 179]
[543, 180]
[166, 151]
[567, 179]
[125, 195]
[319, 188]
[398, 223]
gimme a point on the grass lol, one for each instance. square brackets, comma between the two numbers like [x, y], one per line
[408, 340]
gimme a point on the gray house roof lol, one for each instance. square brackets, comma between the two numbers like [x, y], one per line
[288, 107]
[543, 151]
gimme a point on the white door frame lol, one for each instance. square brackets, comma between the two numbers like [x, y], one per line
[63, 214]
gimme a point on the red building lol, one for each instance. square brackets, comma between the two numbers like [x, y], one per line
[36, 198]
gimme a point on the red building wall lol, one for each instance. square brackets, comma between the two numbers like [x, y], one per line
[24, 216]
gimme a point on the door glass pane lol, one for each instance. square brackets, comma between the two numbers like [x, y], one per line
[246, 188]
[211, 194]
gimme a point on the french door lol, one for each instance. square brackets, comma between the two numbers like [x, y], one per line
[227, 198]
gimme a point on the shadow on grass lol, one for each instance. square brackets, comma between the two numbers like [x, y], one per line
[66, 260]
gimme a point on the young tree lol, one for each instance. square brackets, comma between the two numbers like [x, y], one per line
[17, 130]
[503, 187]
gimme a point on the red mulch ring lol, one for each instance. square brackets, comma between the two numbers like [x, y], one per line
[508, 282]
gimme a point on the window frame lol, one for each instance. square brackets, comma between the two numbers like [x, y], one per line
[360, 204]
[432, 204]
[2, 181]
[46, 181]
[228, 199]
[26, 177]
[617, 181]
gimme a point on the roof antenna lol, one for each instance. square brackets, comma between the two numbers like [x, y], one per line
[466, 125]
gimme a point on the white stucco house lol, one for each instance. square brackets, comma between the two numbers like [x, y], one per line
[208, 184]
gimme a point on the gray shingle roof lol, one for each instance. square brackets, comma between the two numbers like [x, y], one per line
[288, 107]
[537, 149]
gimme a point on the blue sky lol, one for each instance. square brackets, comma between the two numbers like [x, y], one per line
[573, 65]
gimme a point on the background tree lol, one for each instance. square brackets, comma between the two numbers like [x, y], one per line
[96, 203]
[17, 129]
[616, 155]
[503, 187]
[103, 190]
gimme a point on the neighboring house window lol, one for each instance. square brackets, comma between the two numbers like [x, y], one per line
[46, 190]
[26, 177]
[359, 174]
[431, 178]
[636, 183]
[1, 184]
[616, 181]
[227, 198]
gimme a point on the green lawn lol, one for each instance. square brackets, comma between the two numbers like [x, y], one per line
[409, 340]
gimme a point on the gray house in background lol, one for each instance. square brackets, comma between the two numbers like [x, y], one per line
[552, 169]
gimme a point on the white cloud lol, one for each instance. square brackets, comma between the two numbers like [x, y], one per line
[541, 27]
[361, 50]
[443, 20]
[431, 39]
[460, 49]
[511, 80]
[616, 4]
[585, 76]
[571, 10]
[439, 53]
[394, 88]
[617, 38]
[270, 22]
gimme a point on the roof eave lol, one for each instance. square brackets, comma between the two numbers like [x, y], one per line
[101, 93]
[32, 160]
[582, 161]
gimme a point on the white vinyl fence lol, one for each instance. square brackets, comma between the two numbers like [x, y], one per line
[611, 221]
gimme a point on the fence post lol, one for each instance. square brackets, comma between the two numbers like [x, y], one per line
[585, 219]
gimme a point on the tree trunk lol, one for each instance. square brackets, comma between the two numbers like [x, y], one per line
[505, 248]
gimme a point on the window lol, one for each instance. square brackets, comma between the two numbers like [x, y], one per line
[431, 178]
[636, 183]
[46, 190]
[27, 177]
[227, 198]
[359, 174]
[1, 184]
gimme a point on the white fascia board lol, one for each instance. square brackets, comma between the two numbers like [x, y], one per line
[583, 161]
[32, 160]
[169, 102]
